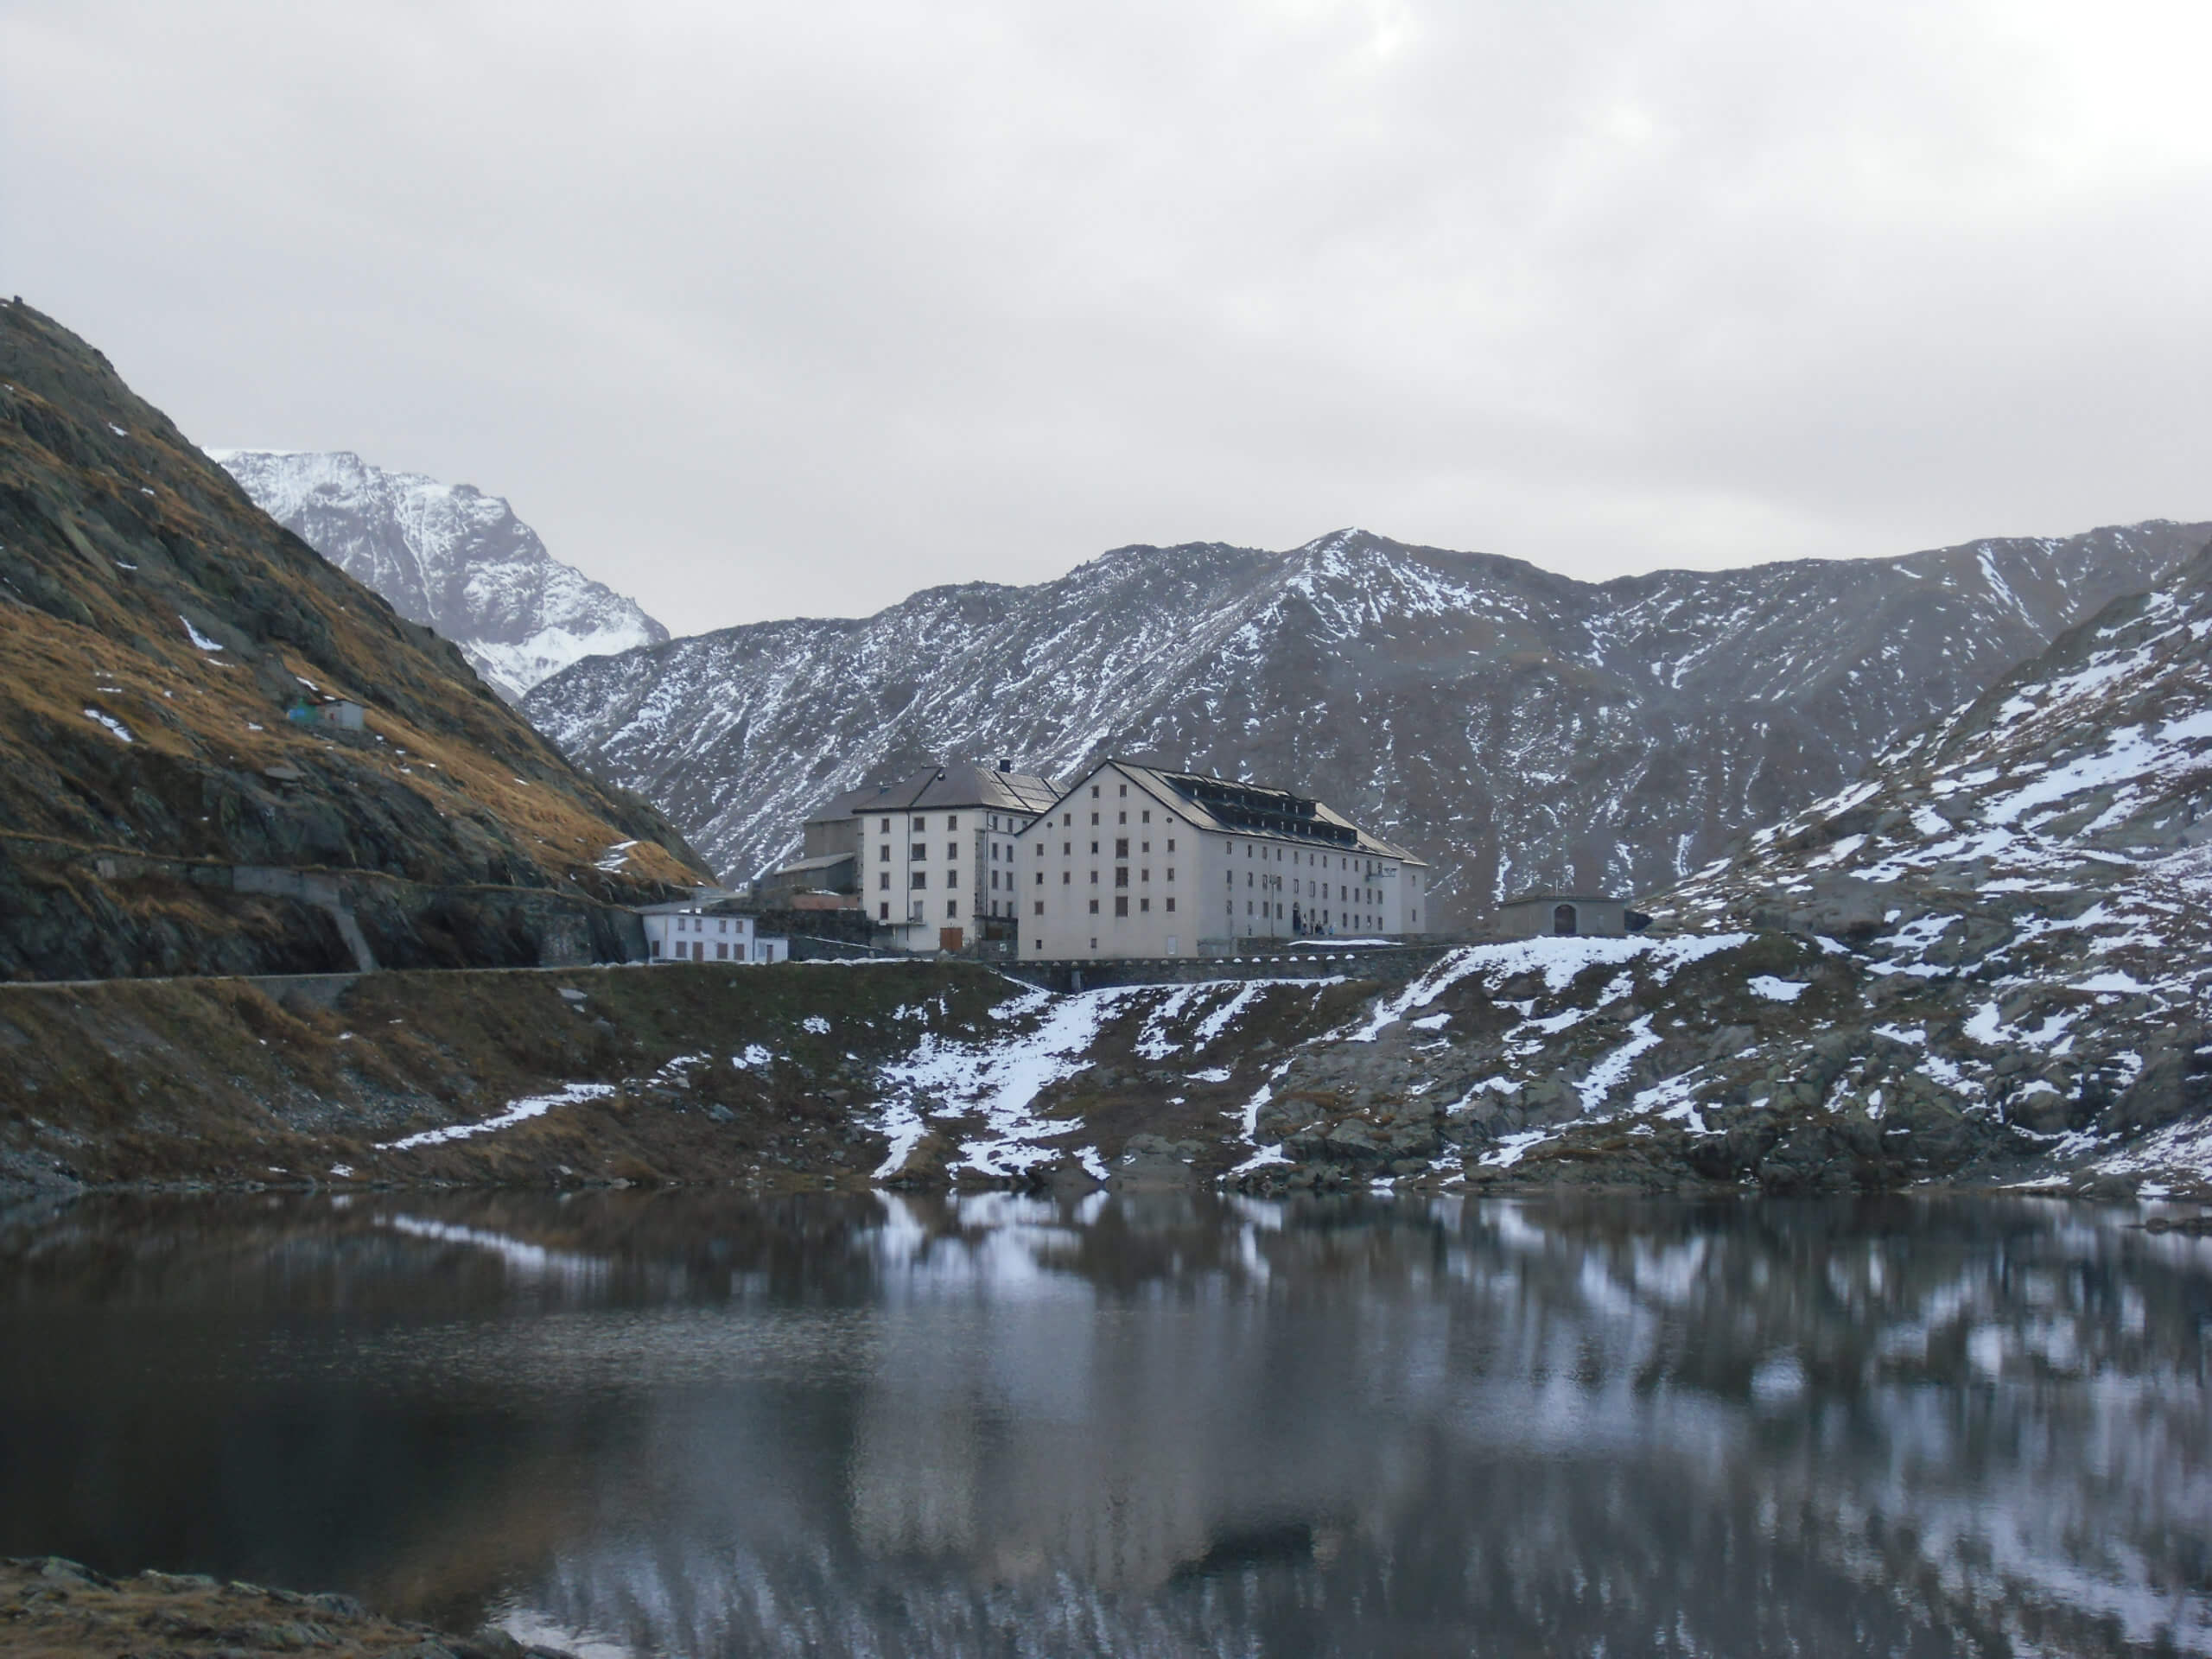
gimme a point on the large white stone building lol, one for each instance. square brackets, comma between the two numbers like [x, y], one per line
[1135, 862]
[937, 852]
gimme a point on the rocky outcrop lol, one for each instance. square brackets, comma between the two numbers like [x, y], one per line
[1516, 726]
[446, 556]
[157, 633]
[60, 1609]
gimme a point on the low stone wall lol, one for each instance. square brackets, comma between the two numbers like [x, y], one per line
[1391, 964]
[806, 949]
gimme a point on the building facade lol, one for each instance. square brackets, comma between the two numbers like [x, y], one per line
[1135, 862]
[696, 931]
[936, 853]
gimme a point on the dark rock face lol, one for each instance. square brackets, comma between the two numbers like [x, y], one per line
[1514, 726]
[156, 628]
[448, 556]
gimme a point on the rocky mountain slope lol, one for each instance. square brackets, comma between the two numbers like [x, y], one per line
[1990, 961]
[1514, 726]
[448, 556]
[155, 629]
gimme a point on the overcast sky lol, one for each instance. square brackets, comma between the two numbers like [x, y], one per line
[755, 309]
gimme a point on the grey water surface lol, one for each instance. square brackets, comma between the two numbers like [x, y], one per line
[702, 1424]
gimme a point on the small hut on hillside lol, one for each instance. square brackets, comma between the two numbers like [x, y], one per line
[1567, 915]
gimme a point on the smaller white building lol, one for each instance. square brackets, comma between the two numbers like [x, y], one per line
[691, 931]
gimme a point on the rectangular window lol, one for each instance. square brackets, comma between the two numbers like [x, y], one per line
[1170, 843]
[918, 879]
[1124, 818]
[656, 947]
[952, 878]
[884, 880]
[952, 849]
[1067, 850]
[994, 852]
[1040, 906]
[1121, 906]
[994, 878]
[1041, 878]
[883, 854]
[1171, 872]
[1094, 878]
[1147, 818]
[1121, 875]
[1125, 789]
[1122, 847]
[1066, 818]
[1094, 906]
[952, 822]
[722, 953]
[883, 913]
[1171, 903]
[921, 824]
[1067, 876]
[1144, 904]
[885, 829]
[919, 854]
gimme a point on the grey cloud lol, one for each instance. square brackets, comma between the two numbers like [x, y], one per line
[754, 310]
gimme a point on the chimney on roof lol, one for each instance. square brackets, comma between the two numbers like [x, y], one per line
[1004, 765]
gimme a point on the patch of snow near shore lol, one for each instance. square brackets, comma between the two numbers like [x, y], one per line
[1778, 990]
[1558, 960]
[998, 1081]
[1511, 1148]
[531, 1106]
[1609, 1071]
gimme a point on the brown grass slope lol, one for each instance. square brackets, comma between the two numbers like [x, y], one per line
[119, 540]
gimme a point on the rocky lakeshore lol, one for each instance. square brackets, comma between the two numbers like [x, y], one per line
[51, 1608]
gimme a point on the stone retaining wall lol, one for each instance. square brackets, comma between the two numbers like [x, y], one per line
[1390, 964]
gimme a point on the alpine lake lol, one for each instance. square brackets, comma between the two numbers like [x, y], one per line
[695, 1422]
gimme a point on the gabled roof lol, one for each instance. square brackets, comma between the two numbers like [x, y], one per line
[838, 808]
[956, 785]
[1236, 809]
[822, 861]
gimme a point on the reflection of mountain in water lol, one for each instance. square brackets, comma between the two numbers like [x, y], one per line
[1133, 1426]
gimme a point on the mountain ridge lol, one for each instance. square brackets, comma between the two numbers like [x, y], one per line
[1517, 726]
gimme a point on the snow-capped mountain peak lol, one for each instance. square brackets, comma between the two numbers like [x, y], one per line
[448, 556]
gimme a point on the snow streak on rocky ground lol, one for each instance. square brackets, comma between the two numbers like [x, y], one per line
[448, 556]
[1514, 726]
[2022, 891]
[988, 1097]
